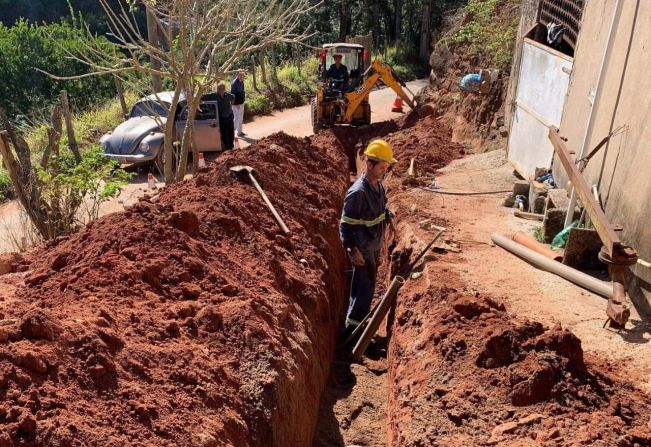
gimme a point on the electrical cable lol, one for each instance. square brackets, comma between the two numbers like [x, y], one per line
[464, 193]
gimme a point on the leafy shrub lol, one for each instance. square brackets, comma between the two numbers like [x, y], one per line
[311, 66]
[6, 191]
[257, 104]
[74, 191]
[404, 61]
[26, 48]
[488, 35]
[289, 74]
[292, 89]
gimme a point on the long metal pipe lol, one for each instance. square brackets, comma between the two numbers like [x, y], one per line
[597, 286]
[617, 13]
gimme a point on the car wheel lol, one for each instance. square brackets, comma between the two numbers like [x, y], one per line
[316, 124]
[159, 161]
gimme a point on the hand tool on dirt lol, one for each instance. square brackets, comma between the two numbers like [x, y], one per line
[373, 319]
[410, 171]
[240, 169]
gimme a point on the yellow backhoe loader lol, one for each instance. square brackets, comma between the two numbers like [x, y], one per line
[338, 102]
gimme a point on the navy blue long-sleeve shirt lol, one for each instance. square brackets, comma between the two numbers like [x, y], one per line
[237, 90]
[364, 216]
[337, 73]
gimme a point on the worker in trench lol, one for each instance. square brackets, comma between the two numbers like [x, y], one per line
[363, 221]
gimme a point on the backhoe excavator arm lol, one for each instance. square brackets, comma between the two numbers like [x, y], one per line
[379, 70]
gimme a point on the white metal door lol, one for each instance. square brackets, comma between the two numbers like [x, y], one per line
[542, 87]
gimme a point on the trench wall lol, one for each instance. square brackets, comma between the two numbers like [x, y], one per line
[189, 319]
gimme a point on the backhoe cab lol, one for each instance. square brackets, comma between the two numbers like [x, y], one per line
[338, 102]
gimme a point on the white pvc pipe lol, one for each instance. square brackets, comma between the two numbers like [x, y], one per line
[617, 13]
[643, 263]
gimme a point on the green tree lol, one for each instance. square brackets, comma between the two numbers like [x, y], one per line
[25, 49]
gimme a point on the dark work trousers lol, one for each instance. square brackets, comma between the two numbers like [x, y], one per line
[227, 131]
[362, 288]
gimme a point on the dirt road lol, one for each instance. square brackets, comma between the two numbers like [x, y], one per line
[294, 122]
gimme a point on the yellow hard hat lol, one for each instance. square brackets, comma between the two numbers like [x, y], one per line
[380, 150]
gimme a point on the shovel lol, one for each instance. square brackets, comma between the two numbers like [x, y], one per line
[240, 169]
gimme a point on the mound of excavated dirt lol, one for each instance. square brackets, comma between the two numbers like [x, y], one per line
[191, 321]
[463, 372]
[424, 139]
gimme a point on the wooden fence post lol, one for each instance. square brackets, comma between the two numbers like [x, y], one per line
[72, 140]
[123, 102]
[254, 79]
[263, 70]
[297, 58]
[274, 63]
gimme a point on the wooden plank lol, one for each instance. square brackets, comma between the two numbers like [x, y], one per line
[597, 216]
[13, 168]
[541, 119]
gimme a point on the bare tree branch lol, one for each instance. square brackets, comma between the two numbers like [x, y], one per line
[205, 42]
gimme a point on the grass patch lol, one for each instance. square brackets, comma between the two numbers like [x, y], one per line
[292, 88]
[89, 127]
[6, 192]
[488, 34]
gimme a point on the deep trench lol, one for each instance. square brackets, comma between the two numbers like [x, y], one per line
[344, 418]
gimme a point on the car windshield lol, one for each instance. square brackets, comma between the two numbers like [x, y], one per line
[349, 58]
[149, 108]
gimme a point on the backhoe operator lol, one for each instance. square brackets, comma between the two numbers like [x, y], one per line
[361, 228]
[338, 71]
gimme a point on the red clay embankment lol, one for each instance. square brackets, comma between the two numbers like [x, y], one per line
[464, 372]
[190, 321]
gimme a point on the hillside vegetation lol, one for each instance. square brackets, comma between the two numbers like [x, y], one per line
[488, 32]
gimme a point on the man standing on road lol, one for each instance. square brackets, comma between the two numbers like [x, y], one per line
[225, 112]
[338, 71]
[237, 90]
[362, 226]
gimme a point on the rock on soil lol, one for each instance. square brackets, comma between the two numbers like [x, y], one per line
[10, 262]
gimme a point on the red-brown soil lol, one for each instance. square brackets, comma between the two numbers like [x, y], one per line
[190, 321]
[462, 371]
